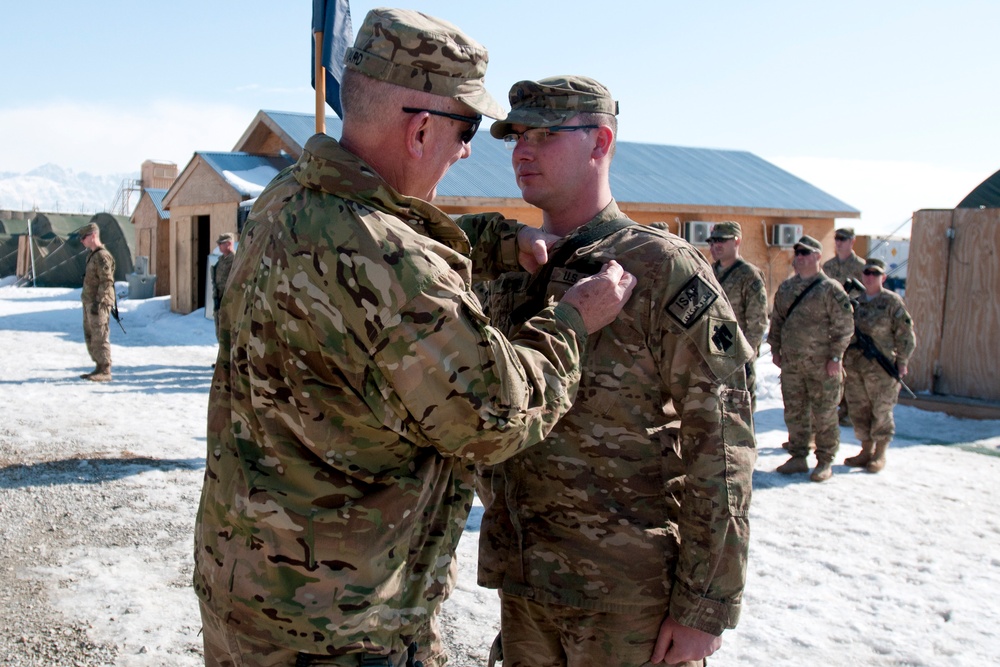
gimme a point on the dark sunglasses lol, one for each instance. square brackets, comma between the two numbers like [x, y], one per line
[467, 134]
[802, 252]
[869, 272]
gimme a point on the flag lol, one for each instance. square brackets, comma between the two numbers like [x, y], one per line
[333, 19]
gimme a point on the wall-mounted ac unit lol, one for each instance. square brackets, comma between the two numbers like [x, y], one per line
[785, 236]
[697, 232]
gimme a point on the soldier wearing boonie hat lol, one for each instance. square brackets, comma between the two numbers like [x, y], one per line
[676, 325]
[357, 379]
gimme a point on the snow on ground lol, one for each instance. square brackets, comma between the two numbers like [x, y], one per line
[899, 568]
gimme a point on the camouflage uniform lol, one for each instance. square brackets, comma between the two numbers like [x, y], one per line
[871, 392]
[638, 500]
[220, 276]
[357, 384]
[817, 331]
[98, 297]
[744, 286]
[852, 267]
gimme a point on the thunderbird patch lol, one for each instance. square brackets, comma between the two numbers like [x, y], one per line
[691, 302]
[722, 337]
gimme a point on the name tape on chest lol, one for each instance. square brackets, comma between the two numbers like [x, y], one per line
[691, 301]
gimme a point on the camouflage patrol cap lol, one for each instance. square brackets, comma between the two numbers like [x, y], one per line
[844, 233]
[228, 236]
[809, 243]
[875, 265]
[553, 101]
[414, 50]
[726, 230]
[87, 229]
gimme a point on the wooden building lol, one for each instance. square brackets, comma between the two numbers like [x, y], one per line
[686, 189]
[152, 222]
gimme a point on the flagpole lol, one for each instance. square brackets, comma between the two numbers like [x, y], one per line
[320, 85]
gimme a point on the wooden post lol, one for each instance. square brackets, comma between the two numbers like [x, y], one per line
[320, 85]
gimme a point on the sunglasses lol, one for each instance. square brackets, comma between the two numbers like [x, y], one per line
[802, 252]
[465, 135]
[869, 272]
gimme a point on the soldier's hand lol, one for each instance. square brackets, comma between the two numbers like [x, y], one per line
[599, 298]
[678, 643]
[533, 247]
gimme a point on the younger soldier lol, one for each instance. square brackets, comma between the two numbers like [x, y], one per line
[871, 392]
[98, 298]
[811, 326]
[744, 286]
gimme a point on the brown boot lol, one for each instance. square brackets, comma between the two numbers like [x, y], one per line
[823, 472]
[863, 457]
[102, 374]
[793, 465]
[86, 376]
[878, 458]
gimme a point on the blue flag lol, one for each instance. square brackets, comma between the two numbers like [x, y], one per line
[333, 19]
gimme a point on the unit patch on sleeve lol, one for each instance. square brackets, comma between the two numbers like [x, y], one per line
[692, 301]
[722, 337]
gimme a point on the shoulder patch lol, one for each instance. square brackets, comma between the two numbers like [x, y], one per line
[722, 337]
[691, 301]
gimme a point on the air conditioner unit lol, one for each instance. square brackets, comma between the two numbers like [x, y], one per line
[697, 232]
[785, 236]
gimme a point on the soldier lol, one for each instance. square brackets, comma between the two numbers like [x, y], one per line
[358, 381]
[599, 537]
[220, 274]
[744, 286]
[871, 392]
[811, 325]
[98, 296]
[843, 265]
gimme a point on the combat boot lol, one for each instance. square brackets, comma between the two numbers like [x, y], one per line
[823, 472]
[863, 457]
[878, 458]
[102, 374]
[793, 465]
[86, 376]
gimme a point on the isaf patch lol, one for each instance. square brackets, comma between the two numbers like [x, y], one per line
[692, 301]
[722, 337]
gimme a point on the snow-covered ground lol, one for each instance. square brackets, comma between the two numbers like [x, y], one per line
[899, 568]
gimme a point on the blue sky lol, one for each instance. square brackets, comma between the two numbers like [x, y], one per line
[890, 105]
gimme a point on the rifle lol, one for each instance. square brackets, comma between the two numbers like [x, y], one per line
[867, 346]
[114, 314]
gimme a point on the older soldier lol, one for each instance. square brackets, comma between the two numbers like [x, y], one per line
[811, 325]
[621, 538]
[358, 381]
[98, 296]
[871, 392]
[744, 286]
[220, 274]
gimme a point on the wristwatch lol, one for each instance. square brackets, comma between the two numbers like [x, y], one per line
[835, 360]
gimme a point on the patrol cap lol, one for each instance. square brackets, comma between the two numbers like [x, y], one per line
[228, 236]
[726, 230]
[86, 230]
[844, 233]
[553, 101]
[809, 243]
[875, 266]
[410, 49]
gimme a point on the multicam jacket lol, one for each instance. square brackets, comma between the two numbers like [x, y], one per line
[99, 280]
[744, 286]
[220, 276]
[638, 500]
[852, 267]
[885, 318]
[357, 384]
[819, 328]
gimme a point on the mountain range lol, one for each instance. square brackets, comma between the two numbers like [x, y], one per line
[54, 189]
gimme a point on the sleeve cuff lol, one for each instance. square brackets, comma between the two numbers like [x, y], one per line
[700, 613]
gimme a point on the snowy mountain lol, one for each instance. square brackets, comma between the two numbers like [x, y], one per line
[53, 189]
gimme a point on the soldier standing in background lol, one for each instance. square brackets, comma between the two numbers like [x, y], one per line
[844, 264]
[811, 326]
[98, 297]
[871, 392]
[220, 274]
[744, 286]
[358, 381]
[621, 539]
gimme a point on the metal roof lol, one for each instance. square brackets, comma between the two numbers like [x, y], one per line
[156, 196]
[640, 173]
[247, 174]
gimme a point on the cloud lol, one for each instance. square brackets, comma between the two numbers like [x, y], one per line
[887, 192]
[102, 139]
